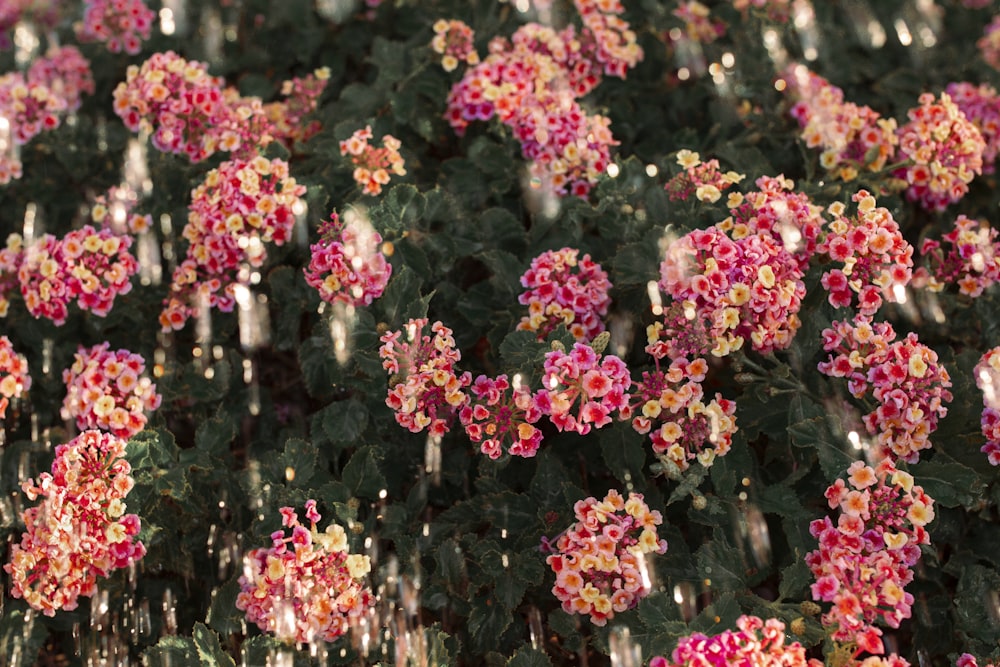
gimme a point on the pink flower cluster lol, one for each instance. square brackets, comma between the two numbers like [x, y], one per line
[288, 117]
[347, 265]
[239, 207]
[14, 377]
[79, 532]
[500, 416]
[969, 660]
[122, 24]
[699, 26]
[113, 211]
[671, 407]
[44, 13]
[864, 561]
[306, 587]
[88, 265]
[564, 288]
[581, 379]
[944, 150]
[66, 73]
[372, 165]
[425, 391]
[599, 561]
[758, 642]
[29, 105]
[981, 105]
[747, 287]
[776, 208]
[903, 376]
[106, 391]
[987, 373]
[176, 101]
[531, 83]
[453, 42]
[989, 43]
[853, 138]
[877, 261]
[969, 258]
[11, 256]
[703, 180]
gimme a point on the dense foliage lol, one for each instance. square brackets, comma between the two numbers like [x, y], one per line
[529, 333]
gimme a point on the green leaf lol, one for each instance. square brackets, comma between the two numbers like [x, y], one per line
[22, 637]
[948, 482]
[624, 453]
[214, 435]
[299, 458]
[451, 564]
[815, 434]
[527, 656]
[523, 352]
[223, 616]
[151, 449]
[344, 421]
[362, 474]
[718, 616]
[721, 563]
[401, 300]
[487, 622]
[794, 580]
[210, 652]
[402, 207]
[173, 651]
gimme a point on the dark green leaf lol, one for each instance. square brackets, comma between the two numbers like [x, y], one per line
[362, 474]
[210, 652]
[344, 421]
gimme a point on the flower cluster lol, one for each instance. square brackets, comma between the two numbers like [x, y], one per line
[600, 383]
[969, 660]
[864, 561]
[989, 43]
[670, 407]
[563, 288]
[14, 377]
[703, 180]
[106, 390]
[114, 211]
[176, 101]
[121, 24]
[987, 374]
[425, 391]
[698, 23]
[500, 416]
[532, 82]
[66, 73]
[89, 265]
[970, 259]
[853, 138]
[453, 42]
[239, 207]
[288, 117]
[11, 256]
[599, 561]
[904, 376]
[981, 105]
[347, 265]
[683, 333]
[747, 287]
[372, 165]
[776, 208]
[29, 105]
[43, 13]
[79, 532]
[877, 260]
[758, 642]
[306, 586]
[944, 151]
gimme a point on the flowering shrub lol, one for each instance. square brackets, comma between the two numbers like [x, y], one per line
[600, 383]
[945, 148]
[106, 390]
[969, 259]
[372, 165]
[599, 560]
[563, 288]
[306, 586]
[347, 264]
[864, 562]
[425, 391]
[79, 532]
[14, 377]
[757, 642]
